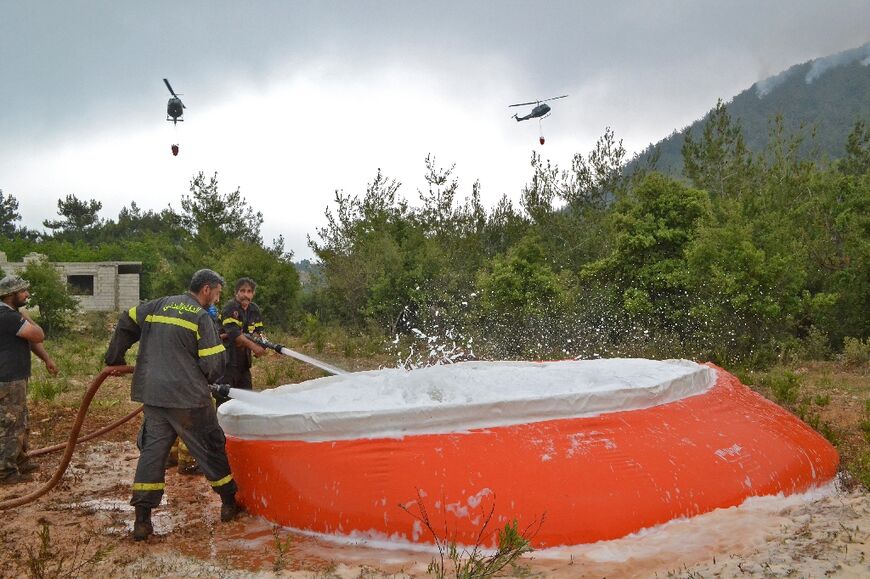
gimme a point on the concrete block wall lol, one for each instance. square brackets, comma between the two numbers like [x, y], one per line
[112, 291]
[128, 290]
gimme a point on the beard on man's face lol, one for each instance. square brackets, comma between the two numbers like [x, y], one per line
[21, 299]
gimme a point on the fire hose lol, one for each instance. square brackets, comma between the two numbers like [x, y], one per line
[73, 438]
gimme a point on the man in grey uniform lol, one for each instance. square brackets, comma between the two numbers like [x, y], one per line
[180, 353]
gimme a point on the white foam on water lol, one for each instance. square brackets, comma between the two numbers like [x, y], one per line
[459, 397]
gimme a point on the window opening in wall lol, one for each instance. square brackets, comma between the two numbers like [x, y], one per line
[81, 285]
[130, 268]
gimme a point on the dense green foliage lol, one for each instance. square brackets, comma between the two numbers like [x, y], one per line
[214, 229]
[746, 258]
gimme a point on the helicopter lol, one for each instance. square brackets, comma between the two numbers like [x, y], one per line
[174, 108]
[540, 112]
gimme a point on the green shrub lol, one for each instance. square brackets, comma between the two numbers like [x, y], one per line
[51, 295]
[815, 345]
[785, 386]
[856, 353]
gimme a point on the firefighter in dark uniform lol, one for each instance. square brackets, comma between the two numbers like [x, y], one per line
[180, 353]
[241, 316]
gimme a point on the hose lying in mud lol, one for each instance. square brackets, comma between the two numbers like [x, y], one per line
[73, 437]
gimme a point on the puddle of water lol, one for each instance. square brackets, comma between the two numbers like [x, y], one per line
[668, 546]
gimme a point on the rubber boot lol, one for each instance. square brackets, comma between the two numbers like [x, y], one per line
[142, 528]
[229, 508]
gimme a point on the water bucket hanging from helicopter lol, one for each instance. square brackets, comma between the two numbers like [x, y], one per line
[540, 112]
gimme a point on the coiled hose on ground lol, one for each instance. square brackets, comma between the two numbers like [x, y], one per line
[73, 437]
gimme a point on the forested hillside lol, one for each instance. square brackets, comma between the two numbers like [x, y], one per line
[820, 100]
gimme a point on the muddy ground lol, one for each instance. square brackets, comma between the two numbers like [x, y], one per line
[82, 527]
[88, 521]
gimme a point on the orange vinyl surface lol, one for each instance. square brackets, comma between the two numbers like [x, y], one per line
[593, 478]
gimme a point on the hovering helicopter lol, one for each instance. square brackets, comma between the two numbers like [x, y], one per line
[540, 112]
[174, 108]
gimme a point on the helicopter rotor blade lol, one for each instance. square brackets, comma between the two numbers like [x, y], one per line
[554, 98]
[166, 82]
[525, 104]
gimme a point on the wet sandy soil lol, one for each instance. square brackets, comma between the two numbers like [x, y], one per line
[88, 521]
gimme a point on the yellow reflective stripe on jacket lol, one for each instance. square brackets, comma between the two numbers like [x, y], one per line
[149, 486]
[173, 322]
[258, 324]
[221, 482]
[233, 321]
[211, 351]
[132, 313]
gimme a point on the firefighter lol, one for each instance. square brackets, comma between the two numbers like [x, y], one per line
[180, 353]
[241, 316]
[179, 455]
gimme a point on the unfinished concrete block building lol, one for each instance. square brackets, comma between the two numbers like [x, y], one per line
[99, 286]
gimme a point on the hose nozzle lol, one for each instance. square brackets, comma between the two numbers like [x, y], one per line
[264, 342]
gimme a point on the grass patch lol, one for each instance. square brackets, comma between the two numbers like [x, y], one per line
[46, 389]
[822, 399]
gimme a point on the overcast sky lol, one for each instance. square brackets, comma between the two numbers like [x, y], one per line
[291, 101]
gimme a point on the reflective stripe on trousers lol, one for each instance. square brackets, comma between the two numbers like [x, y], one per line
[201, 433]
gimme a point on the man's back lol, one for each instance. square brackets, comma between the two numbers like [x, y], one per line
[179, 352]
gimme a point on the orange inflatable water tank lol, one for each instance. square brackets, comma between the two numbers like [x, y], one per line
[600, 475]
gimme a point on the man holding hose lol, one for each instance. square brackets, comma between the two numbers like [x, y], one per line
[241, 316]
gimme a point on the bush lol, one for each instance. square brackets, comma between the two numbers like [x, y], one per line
[785, 386]
[51, 295]
[816, 345]
[856, 353]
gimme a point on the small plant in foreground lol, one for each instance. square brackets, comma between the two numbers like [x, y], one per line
[47, 560]
[476, 562]
[282, 547]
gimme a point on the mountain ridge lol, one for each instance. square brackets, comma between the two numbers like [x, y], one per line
[821, 99]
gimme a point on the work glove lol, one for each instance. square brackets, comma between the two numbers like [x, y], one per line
[220, 389]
